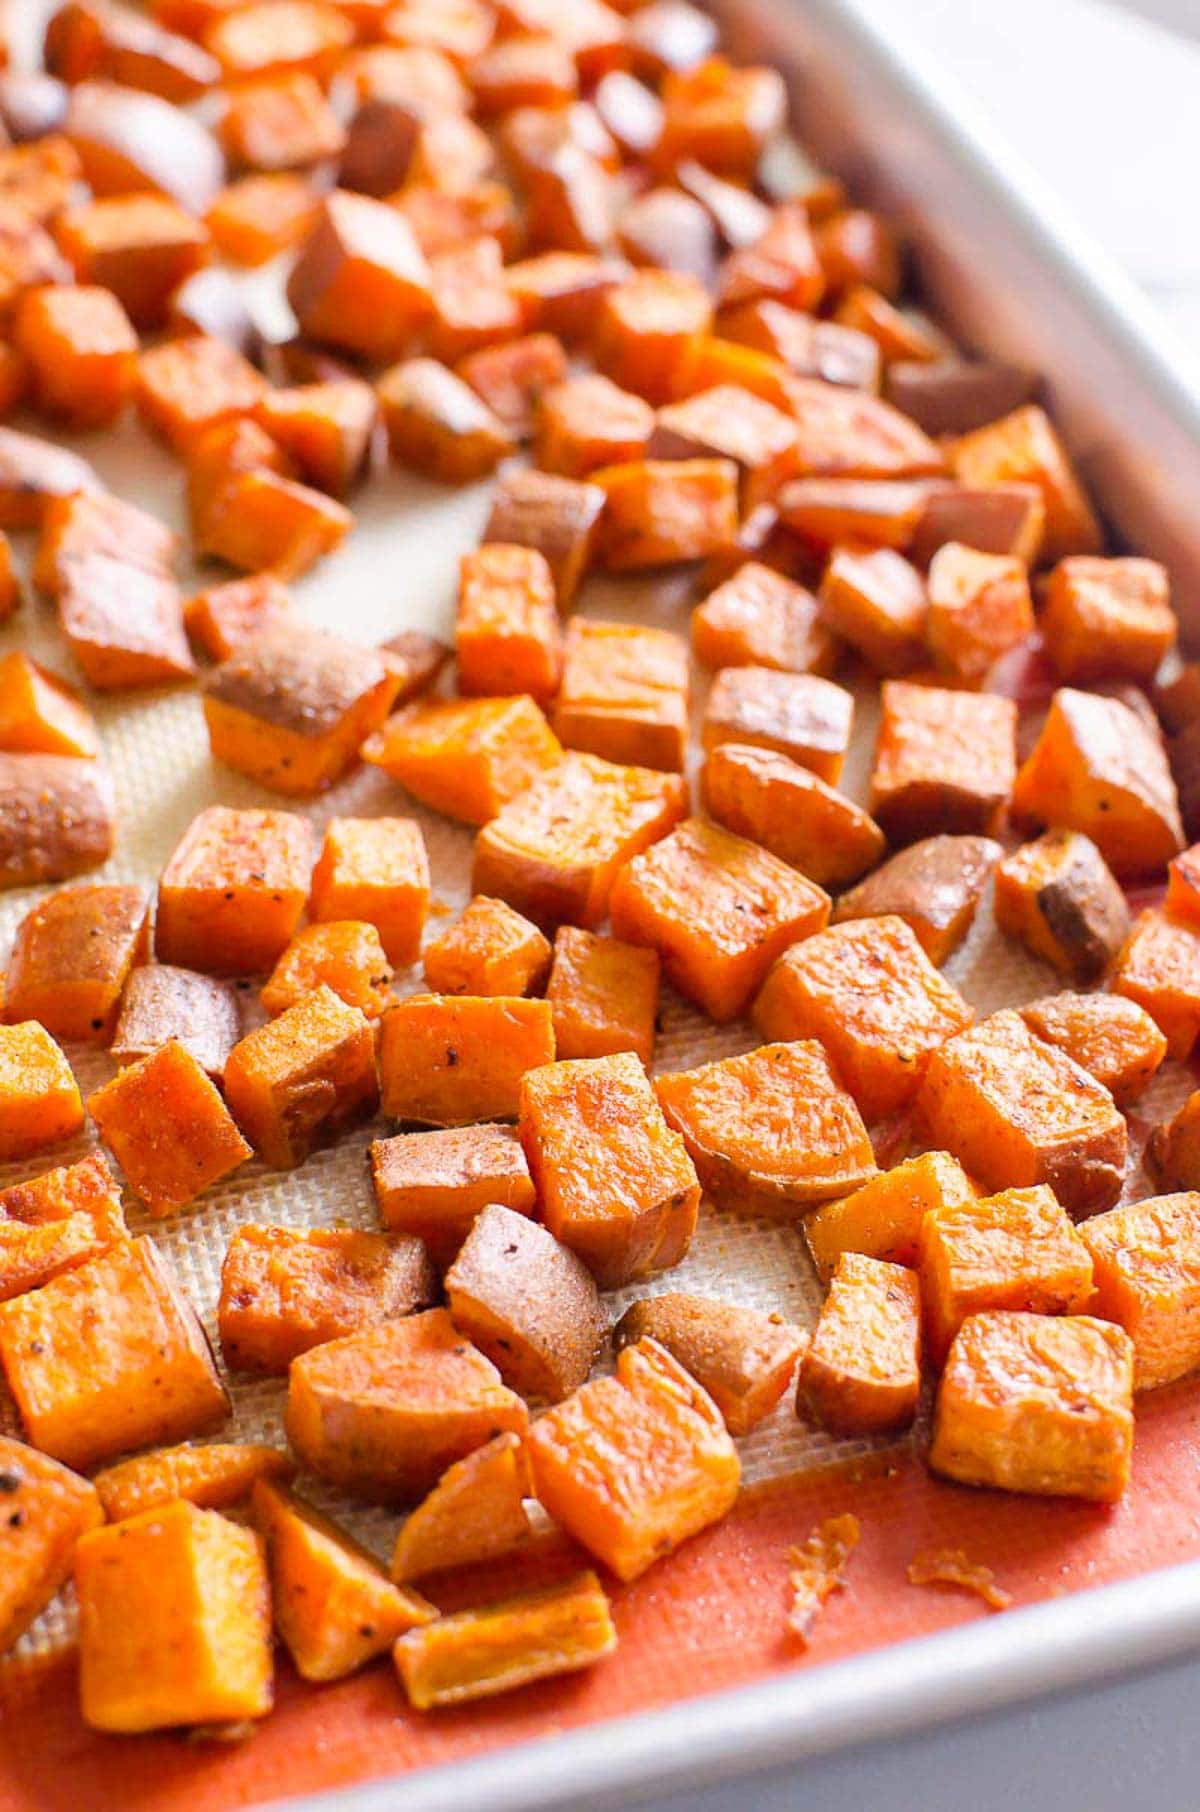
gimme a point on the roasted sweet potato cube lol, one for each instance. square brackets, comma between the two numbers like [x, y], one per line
[514, 377]
[935, 886]
[168, 1128]
[433, 1184]
[40, 713]
[1017, 1112]
[553, 852]
[287, 1289]
[559, 517]
[720, 115]
[1159, 968]
[718, 910]
[1183, 886]
[33, 473]
[232, 892]
[187, 385]
[491, 950]
[955, 395]
[75, 527]
[761, 618]
[528, 1302]
[1172, 1152]
[459, 29]
[614, 1182]
[223, 454]
[361, 281]
[742, 1358]
[47, 1509]
[80, 352]
[849, 433]
[1112, 1038]
[273, 37]
[635, 1464]
[1107, 619]
[1023, 448]
[861, 1373]
[382, 1413]
[997, 519]
[883, 1218]
[603, 995]
[292, 707]
[71, 958]
[282, 123]
[374, 870]
[303, 1078]
[60, 817]
[33, 1252]
[944, 761]
[874, 599]
[467, 758]
[40, 167]
[661, 511]
[796, 714]
[174, 1622]
[28, 259]
[979, 609]
[856, 246]
[1015, 1250]
[867, 990]
[418, 658]
[259, 216]
[556, 1629]
[344, 954]
[804, 345]
[779, 265]
[770, 799]
[1146, 1273]
[223, 617]
[446, 1060]
[141, 247]
[437, 424]
[1037, 1403]
[587, 422]
[528, 70]
[1097, 767]
[729, 423]
[212, 1477]
[1059, 897]
[770, 1133]
[124, 625]
[593, 32]
[645, 327]
[624, 694]
[506, 634]
[900, 334]
[39, 1098]
[86, 1188]
[259, 519]
[472, 304]
[475, 1512]
[562, 292]
[109, 1357]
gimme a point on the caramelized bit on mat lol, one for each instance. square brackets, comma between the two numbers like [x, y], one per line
[951, 1567]
[817, 1570]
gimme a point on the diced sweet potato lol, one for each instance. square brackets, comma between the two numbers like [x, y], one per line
[1172, 1152]
[587, 422]
[718, 910]
[37, 174]
[281, 123]
[935, 886]
[29, 258]
[212, 1477]
[187, 385]
[624, 694]
[87, 1188]
[528, 70]
[804, 345]
[39, 1098]
[861, 1373]
[1037, 1403]
[272, 37]
[614, 1182]
[80, 352]
[1015, 1250]
[491, 950]
[141, 247]
[223, 617]
[361, 281]
[559, 517]
[666, 510]
[344, 954]
[60, 817]
[232, 892]
[303, 1078]
[382, 1413]
[1023, 448]
[285, 1290]
[433, 1184]
[174, 1622]
[979, 609]
[761, 618]
[467, 758]
[1112, 1038]
[211, 304]
[553, 852]
[1159, 968]
[670, 34]
[506, 636]
[997, 519]
[109, 1357]
[875, 600]
[709, 362]
[1107, 619]
[883, 1218]
[900, 334]
[721, 116]
[259, 216]
[1059, 896]
[771, 800]
[292, 707]
[123, 625]
[742, 1358]
[258, 519]
[1183, 886]
[1145, 1259]
[437, 424]
[162, 1003]
[869, 993]
[472, 307]
[33, 472]
[36, 1248]
[460, 29]
[645, 327]
[475, 1512]
[527, 1302]
[47, 1509]
[446, 1060]
[374, 870]
[956, 395]
[562, 292]
[71, 958]
[635, 1464]
[1017, 1112]
[779, 265]
[796, 714]
[474, 1654]
[418, 658]
[515, 376]
[856, 246]
[83, 523]
[851, 434]
[728, 422]
[40, 713]
[603, 995]
[944, 761]
[168, 1128]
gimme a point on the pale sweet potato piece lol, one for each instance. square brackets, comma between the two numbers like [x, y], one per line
[1017, 1112]
[467, 758]
[1159, 968]
[490, 950]
[39, 1097]
[303, 1078]
[71, 957]
[374, 870]
[772, 800]
[558, 517]
[1005, 519]
[1023, 448]
[87, 522]
[1037, 1403]
[418, 658]
[795, 714]
[1107, 619]
[851, 434]
[282, 122]
[935, 886]
[232, 892]
[868, 992]
[361, 281]
[174, 1622]
[33, 473]
[124, 625]
[883, 1218]
[475, 1512]
[506, 634]
[761, 618]
[256, 217]
[109, 1357]
[212, 1477]
[1147, 1275]
[718, 910]
[728, 422]
[382, 1413]
[603, 995]
[40, 714]
[944, 761]
[1112, 1038]
[743, 1359]
[47, 1509]
[623, 694]
[861, 1373]
[980, 608]
[162, 1003]
[1059, 897]
[168, 1128]
[433, 1184]
[437, 425]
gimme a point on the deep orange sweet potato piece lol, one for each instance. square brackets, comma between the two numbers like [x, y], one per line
[433, 1184]
[1159, 968]
[849, 433]
[259, 519]
[768, 798]
[324, 428]
[141, 247]
[645, 327]
[47, 1509]
[446, 1060]
[900, 334]
[761, 618]
[168, 1128]
[506, 634]
[861, 1373]
[1037, 1403]
[109, 1357]
[232, 892]
[856, 246]
[1112, 1038]
[56, 1222]
[1023, 448]
[728, 422]
[40, 713]
[37, 174]
[437, 424]
[614, 1182]
[867, 512]
[1059, 897]
[472, 305]
[875, 600]
[222, 617]
[285, 1290]
[883, 1219]
[624, 694]
[71, 958]
[743, 1359]
[491, 950]
[259, 216]
[187, 385]
[174, 1622]
[281, 123]
[603, 995]
[979, 609]
[39, 1098]
[562, 292]
[79, 350]
[85, 523]
[344, 954]
[1144, 1255]
[475, 1512]
[559, 517]
[303, 1077]
[32, 473]
[935, 886]
[1107, 619]
[721, 116]
[124, 625]
[374, 870]
[467, 758]
[1183, 885]
[587, 422]
[779, 265]
[635, 1464]
[944, 761]
[60, 818]
[513, 377]
[361, 281]
[213, 1477]
[28, 259]
[662, 511]
[1017, 1112]
[796, 714]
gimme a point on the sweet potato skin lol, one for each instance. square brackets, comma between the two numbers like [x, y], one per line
[61, 819]
[162, 1002]
[800, 715]
[745, 1360]
[861, 1373]
[432, 1185]
[47, 1509]
[1059, 896]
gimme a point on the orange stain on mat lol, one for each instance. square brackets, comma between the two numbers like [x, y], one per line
[711, 1616]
